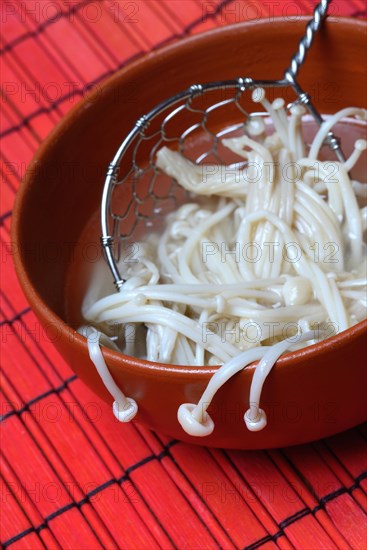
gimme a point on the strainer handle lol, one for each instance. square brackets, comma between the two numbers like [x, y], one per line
[297, 60]
[312, 27]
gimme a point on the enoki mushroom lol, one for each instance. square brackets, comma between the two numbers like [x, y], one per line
[271, 258]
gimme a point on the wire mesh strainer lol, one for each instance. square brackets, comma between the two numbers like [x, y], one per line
[193, 122]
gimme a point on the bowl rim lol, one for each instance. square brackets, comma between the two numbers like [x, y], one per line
[48, 317]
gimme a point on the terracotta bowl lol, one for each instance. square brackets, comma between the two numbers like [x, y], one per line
[310, 393]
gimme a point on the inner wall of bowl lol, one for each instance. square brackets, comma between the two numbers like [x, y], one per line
[144, 201]
[65, 180]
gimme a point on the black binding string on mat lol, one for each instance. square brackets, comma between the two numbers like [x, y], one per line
[80, 93]
[282, 525]
[26, 407]
[88, 496]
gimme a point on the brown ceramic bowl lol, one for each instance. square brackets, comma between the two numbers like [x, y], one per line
[310, 393]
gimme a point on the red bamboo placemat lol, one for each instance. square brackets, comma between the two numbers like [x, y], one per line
[71, 476]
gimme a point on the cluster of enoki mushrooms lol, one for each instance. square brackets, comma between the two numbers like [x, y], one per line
[267, 256]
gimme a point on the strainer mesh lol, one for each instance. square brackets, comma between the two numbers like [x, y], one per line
[138, 195]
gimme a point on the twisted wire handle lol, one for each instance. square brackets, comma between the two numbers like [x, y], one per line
[297, 60]
[312, 27]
